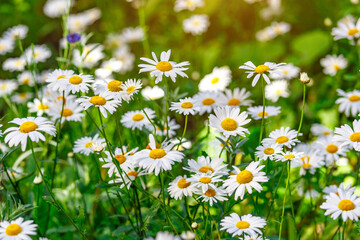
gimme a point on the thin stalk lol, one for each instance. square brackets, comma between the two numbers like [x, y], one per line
[283, 207]
[13, 184]
[142, 231]
[343, 231]
[164, 204]
[117, 122]
[182, 136]
[302, 111]
[226, 142]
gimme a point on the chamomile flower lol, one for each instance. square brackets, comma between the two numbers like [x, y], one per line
[196, 24]
[349, 102]
[205, 181]
[98, 147]
[163, 67]
[6, 45]
[261, 71]
[283, 136]
[16, 32]
[207, 101]
[345, 203]
[268, 151]
[158, 159]
[127, 177]
[332, 64]
[309, 162]
[335, 189]
[207, 165]
[7, 87]
[22, 97]
[39, 107]
[351, 31]
[187, 5]
[77, 83]
[14, 64]
[257, 112]
[235, 98]
[277, 89]
[57, 77]
[291, 156]
[217, 80]
[123, 157]
[83, 145]
[130, 35]
[108, 67]
[247, 224]
[180, 187]
[164, 236]
[289, 72]
[26, 78]
[90, 56]
[114, 87]
[348, 136]
[331, 149]
[37, 53]
[17, 229]
[130, 87]
[246, 179]
[185, 144]
[70, 112]
[185, 106]
[171, 130]
[213, 195]
[229, 121]
[320, 130]
[126, 58]
[29, 127]
[280, 28]
[152, 93]
[137, 119]
[56, 8]
[104, 102]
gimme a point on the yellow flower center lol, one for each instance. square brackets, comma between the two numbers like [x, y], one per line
[26, 81]
[187, 105]
[306, 165]
[3, 86]
[326, 133]
[244, 176]
[13, 229]
[336, 67]
[331, 148]
[18, 63]
[261, 69]
[114, 86]
[354, 98]
[282, 139]
[22, 95]
[210, 192]
[234, 102]
[67, 112]
[164, 66]
[353, 31]
[205, 180]
[89, 144]
[130, 89]
[289, 156]
[157, 153]
[138, 117]
[120, 158]
[182, 183]
[355, 137]
[229, 124]
[36, 55]
[260, 114]
[278, 92]
[208, 101]
[75, 80]
[60, 77]
[346, 205]
[43, 106]
[132, 173]
[97, 100]
[242, 224]
[205, 169]
[269, 151]
[215, 80]
[27, 127]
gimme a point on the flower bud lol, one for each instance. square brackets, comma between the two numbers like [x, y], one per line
[194, 225]
[304, 78]
[327, 22]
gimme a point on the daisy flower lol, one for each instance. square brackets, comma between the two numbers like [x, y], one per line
[158, 159]
[280, 28]
[246, 179]
[90, 56]
[129, 88]
[277, 89]
[7, 87]
[137, 119]
[345, 203]
[196, 24]
[29, 127]
[261, 71]
[217, 80]
[207, 165]
[39, 107]
[335, 189]
[283, 136]
[213, 195]
[257, 112]
[17, 229]
[22, 97]
[207, 101]
[70, 112]
[130, 35]
[163, 67]
[188, 5]
[185, 106]
[56, 8]
[126, 178]
[268, 151]
[320, 130]
[235, 98]
[349, 30]
[237, 225]
[164, 236]
[289, 72]
[185, 144]
[124, 55]
[14, 64]
[229, 121]
[205, 181]
[104, 102]
[349, 102]
[332, 64]
[57, 77]
[6, 45]
[16, 32]
[26, 78]
[83, 145]
[180, 187]
[114, 87]
[154, 93]
[348, 136]
[309, 162]
[172, 126]
[37, 53]
[289, 156]
[331, 149]
[125, 159]
[77, 83]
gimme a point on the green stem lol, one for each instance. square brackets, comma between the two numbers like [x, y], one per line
[182, 137]
[226, 143]
[161, 178]
[283, 207]
[302, 111]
